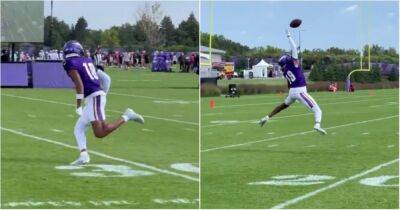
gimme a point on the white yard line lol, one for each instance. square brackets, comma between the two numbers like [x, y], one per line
[275, 102]
[114, 111]
[296, 134]
[256, 121]
[142, 165]
[287, 116]
[315, 192]
[149, 97]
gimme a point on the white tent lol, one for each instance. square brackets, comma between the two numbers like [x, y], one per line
[258, 70]
[262, 65]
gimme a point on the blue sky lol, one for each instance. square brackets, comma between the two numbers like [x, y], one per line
[104, 14]
[344, 24]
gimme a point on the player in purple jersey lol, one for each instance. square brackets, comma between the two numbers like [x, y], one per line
[88, 88]
[293, 73]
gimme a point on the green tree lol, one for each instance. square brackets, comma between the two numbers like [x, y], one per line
[168, 31]
[80, 31]
[59, 32]
[109, 38]
[188, 32]
[126, 35]
[148, 24]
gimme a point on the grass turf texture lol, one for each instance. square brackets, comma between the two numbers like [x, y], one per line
[277, 81]
[169, 103]
[287, 145]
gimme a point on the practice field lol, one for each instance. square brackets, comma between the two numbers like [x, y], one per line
[275, 81]
[265, 81]
[286, 164]
[154, 165]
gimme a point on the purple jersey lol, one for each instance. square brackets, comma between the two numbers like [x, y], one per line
[294, 75]
[86, 71]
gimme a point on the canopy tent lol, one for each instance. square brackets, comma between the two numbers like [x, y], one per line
[260, 70]
[262, 65]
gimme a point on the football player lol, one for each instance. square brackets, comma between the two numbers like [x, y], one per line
[293, 72]
[84, 75]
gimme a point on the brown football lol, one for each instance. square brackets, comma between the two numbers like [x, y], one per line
[295, 23]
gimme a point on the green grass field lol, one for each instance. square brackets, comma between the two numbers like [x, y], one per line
[269, 81]
[277, 81]
[286, 164]
[139, 166]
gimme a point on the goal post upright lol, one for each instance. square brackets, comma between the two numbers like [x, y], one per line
[361, 69]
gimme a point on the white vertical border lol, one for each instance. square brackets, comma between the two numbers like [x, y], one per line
[199, 101]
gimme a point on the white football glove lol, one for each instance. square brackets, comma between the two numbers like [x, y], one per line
[79, 111]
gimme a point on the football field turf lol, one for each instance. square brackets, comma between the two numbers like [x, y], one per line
[286, 164]
[154, 165]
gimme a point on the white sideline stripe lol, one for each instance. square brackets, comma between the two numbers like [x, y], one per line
[115, 111]
[102, 155]
[148, 97]
[295, 115]
[315, 192]
[296, 134]
[274, 102]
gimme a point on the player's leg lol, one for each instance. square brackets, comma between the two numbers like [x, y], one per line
[79, 132]
[288, 101]
[100, 127]
[309, 101]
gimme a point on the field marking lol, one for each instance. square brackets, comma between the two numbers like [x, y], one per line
[390, 146]
[379, 181]
[110, 110]
[309, 146]
[294, 180]
[186, 167]
[275, 102]
[296, 134]
[315, 192]
[143, 165]
[104, 170]
[138, 80]
[385, 104]
[57, 131]
[272, 119]
[331, 103]
[251, 121]
[148, 97]
[68, 203]
[180, 102]
[272, 145]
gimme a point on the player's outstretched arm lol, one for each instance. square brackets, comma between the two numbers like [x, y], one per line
[293, 47]
[105, 80]
[79, 89]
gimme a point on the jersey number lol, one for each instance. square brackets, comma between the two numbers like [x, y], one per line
[290, 77]
[91, 71]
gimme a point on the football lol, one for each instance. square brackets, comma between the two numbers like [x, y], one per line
[295, 23]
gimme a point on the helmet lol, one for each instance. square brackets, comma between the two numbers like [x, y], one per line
[72, 48]
[284, 59]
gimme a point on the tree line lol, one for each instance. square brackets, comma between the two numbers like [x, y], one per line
[241, 53]
[149, 32]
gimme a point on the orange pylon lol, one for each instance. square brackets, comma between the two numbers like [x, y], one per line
[212, 103]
